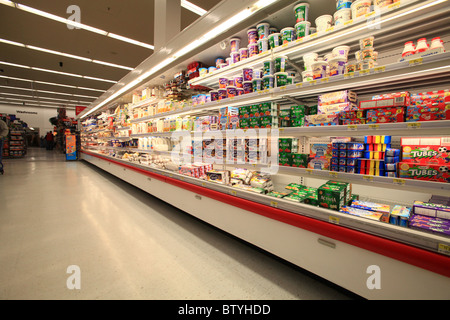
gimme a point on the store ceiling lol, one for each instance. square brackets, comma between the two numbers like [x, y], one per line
[132, 19]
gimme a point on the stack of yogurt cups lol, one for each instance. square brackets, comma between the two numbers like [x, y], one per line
[302, 26]
[343, 12]
[366, 57]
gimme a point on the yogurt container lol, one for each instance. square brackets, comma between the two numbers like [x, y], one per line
[268, 67]
[290, 80]
[253, 49]
[343, 4]
[273, 30]
[328, 57]
[307, 75]
[366, 64]
[341, 51]
[280, 64]
[349, 68]
[222, 93]
[243, 53]
[268, 81]
[238, 81]
[409, 49]
[211, 69]
[234, 44]
[247, 86]
[422, 45]
[263, 45]
[231, 91]
[239, 91]
[381, 3]
[257, 73]
[302, 29]
[247, 74]
[274, 40]
[342, 16]
[235, 57]
[366, 42]
[437, 43]
[219, 61]
[287, 34]
[223, 83]
[309, 59]
[319, 69]
[263, 30]
[367, 54]
[252, 35]
[301, 11]
[202, 71]
[228, 61]
[360, 8]
[312, 30]
[214, 94]
[324, 22]
[280, 79]
[358, 56]
[257, 84]
[337, 65]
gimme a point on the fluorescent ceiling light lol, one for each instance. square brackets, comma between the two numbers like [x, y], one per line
[57, 72]
[75, 24]
[65, 54]
[52, 83]
[192, 7]
[50, 102]
[40, 97]
[50, 92]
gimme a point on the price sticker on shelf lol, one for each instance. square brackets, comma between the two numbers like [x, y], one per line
[299, 85]
[324, 80]
[374, 126]
[444, 248]
[333, 174]
[233, 192]
[415, 62]
[309, 171]
[414, 125]
[364, 72]
[282, 88]
[329, 29]
[394, 5]
[312, 36]
[203, 184]
[349, 75]
[352, 127]
[368, 178]
[274, 204]
[333, 219]
[284, 45]
[349, 22]
[379, 69]
[299, 40]
[368, 15]
[313, 82]
[399, 182]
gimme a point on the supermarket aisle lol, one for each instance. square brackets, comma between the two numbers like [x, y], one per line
[127, 244]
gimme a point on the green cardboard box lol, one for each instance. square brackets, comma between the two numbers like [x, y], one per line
[331, 196]
[244, 123]
[288, 145]
[297, 112]
[269, 122]
[244, 112]
[255, 122]
[284, 159]
[300, 160]
[254, 110]
[348, 188]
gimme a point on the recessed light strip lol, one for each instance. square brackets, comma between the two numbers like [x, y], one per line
[40, 97]
[49, 92]
[75, 24]
[57, 72]
[192, 7]
[65, 54]
[52, 83]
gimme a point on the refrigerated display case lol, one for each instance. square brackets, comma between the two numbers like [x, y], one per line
[246, 188]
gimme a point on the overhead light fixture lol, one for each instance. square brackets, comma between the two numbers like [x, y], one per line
[36, 105]
[74, 23]
[192, 7]
[40, 97]
[49, 102]
[57, 72]
[50, 92]
[223, 27]
[73, 56]
[52, 83]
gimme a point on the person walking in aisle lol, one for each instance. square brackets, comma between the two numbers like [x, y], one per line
[49, 140]
[3, 134]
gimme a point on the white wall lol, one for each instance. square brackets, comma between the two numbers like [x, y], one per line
[36, 117]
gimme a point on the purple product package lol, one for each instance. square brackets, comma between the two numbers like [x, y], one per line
[247, 74]
[337, 97]
[223, 83]
[431, 210]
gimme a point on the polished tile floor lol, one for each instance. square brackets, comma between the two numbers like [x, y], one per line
[64, 224]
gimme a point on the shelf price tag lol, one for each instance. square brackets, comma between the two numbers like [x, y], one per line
[333, 174]
[324, 80]
[399, 182]
[379, 69]
[299, 85]
[274, 204]
[312, 36]
[282, 88]
[233, 192]
[368, 178]
[352, 127]
[374, 126]
[299, 40]
[346, 23]
[284, 45]
[309, 171]
[329, 29]
[313, 82]
[415, 62]
[349, 75]
[444, 248]
[334, 220]
[414, 125]
[368, 15]
[364, 72]
[394, 5]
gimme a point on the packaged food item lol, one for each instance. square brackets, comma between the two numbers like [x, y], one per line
[301, 11]
[302, 29]
[319, 69]
[287, 35]
[427, 172]
[331, 196]
[321, 163]
[295, 187]
[360, 8]
[385, 115]
[289, 145]
[324, 22]
[383, 209]
[432, 210]
[342, 16]
[346, 185]
[362, 213]
[342, 96]
[300, 160]
[429, 224]
[322, 120]
[285, 159]
[426, 150]
[277, 194]
[400, 215]
[252, 35]
[263, 30]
